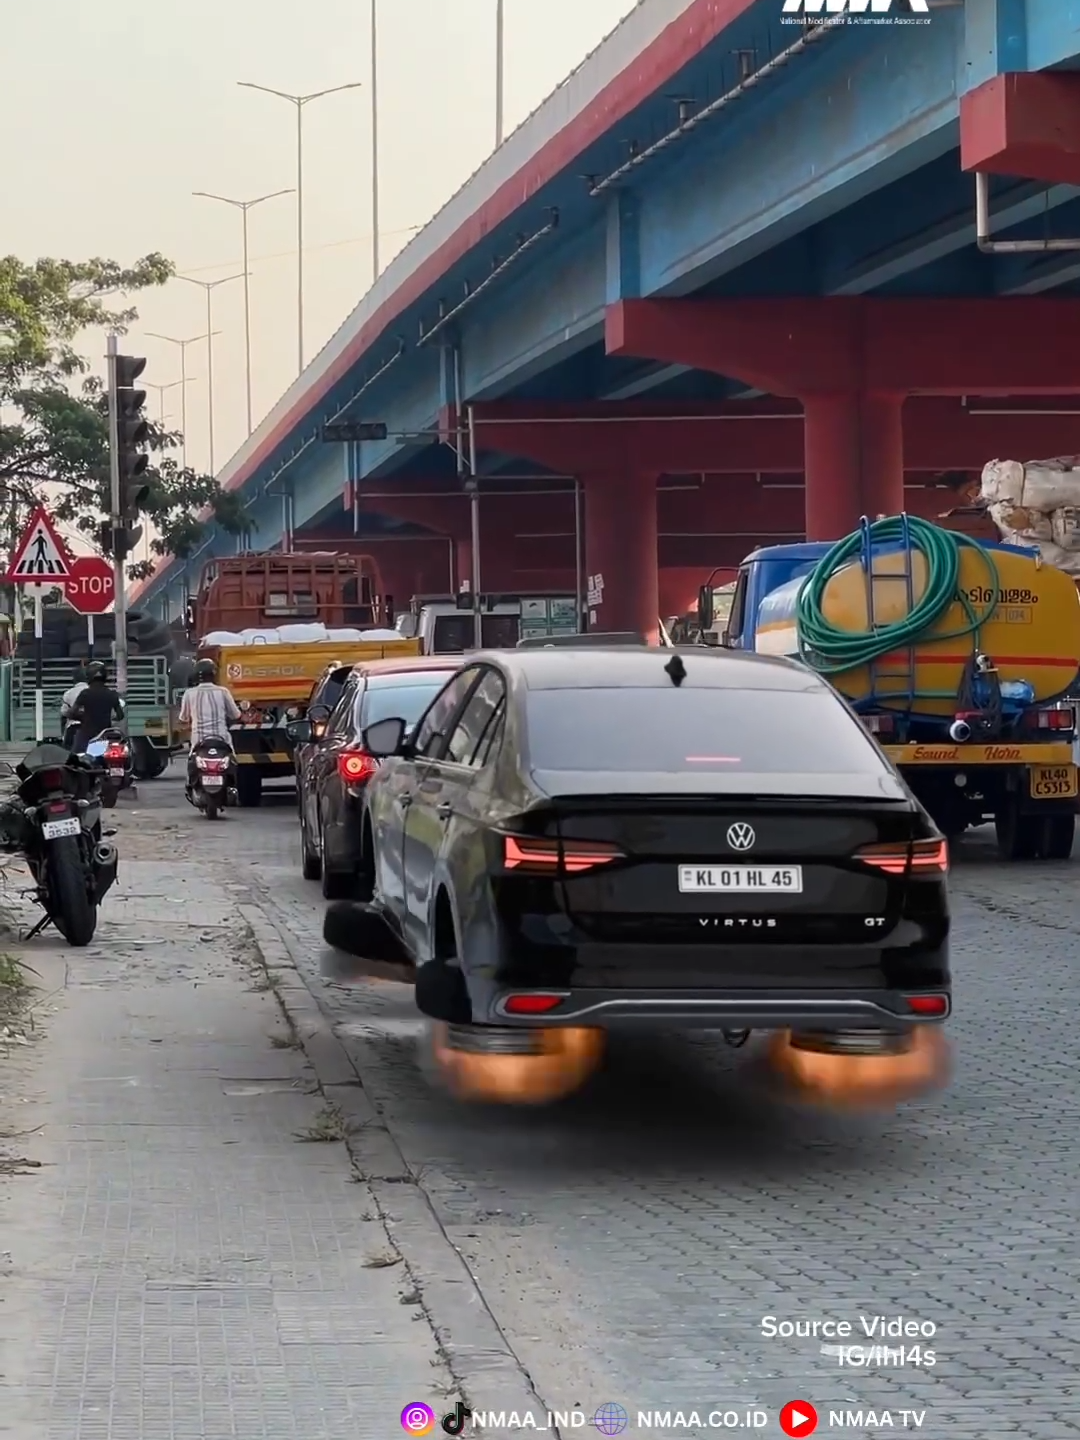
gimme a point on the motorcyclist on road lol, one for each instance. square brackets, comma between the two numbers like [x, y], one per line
[67, 704]
[207, 710]
[96, 707]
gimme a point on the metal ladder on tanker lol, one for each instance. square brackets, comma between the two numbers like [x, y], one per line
[906, 674]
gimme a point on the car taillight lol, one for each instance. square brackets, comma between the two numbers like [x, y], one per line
[532, 1004]
[547, 856]
[879, 724]
[1052, 719]
[917, 857]
[928, 1004]
[355, 767]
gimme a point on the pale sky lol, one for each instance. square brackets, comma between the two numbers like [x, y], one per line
[114, 111]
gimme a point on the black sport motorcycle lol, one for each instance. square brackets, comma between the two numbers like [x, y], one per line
[211, 777]
[55, 820]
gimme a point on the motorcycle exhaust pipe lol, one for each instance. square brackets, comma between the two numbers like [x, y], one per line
[959, 731]
[106, 855]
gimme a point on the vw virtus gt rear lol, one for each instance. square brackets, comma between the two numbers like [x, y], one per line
[711, 842]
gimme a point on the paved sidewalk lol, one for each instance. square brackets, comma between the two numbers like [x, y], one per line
[195, 1257]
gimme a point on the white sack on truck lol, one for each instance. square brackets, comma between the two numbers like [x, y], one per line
[1037, 505]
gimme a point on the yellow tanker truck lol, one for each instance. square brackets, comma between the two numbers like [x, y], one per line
[958, 657]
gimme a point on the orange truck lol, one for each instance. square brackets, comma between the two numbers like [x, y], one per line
[272, 678]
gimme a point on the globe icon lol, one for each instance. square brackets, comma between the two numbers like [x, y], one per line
[610, 1419]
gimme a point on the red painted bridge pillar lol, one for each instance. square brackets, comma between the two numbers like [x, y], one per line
[854, 460]
[622, 576]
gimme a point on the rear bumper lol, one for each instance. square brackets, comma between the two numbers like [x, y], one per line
[740, 1009]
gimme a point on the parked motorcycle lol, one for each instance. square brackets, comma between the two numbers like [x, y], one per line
[55, 820]
[112, 750]
[212, 784]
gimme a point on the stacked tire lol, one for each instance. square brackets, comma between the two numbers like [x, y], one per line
[64, 636]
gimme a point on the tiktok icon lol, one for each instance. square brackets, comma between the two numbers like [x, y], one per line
[454, 1422]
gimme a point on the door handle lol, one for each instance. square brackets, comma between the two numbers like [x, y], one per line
[444, 811]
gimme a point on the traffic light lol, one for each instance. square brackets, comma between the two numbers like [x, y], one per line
[132, 434]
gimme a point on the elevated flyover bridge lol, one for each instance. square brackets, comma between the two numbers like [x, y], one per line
[749, 273]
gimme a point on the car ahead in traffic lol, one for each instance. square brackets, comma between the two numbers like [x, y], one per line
[335, 768]
[650, 837]
[325, 694]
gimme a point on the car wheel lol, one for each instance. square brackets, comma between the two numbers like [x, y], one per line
[336, 884]
[310, 863]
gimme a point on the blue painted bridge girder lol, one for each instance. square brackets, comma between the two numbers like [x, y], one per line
[833, 170]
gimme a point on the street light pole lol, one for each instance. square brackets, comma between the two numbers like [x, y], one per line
[374, 140]
[500, 51]
[210, 286]
[184, 378]
[171, 385]
[244, 206]
[299, 101]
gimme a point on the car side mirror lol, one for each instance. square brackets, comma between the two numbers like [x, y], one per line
[385, 738]
[298, 731]
[705, 608]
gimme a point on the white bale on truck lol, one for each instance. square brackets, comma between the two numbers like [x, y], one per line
[1037, 505]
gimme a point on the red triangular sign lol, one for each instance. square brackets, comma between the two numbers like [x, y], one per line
[40, 555]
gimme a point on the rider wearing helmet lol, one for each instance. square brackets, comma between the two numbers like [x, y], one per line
[95, 708]
[207, 709]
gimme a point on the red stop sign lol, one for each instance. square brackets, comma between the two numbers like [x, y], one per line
[90, 587]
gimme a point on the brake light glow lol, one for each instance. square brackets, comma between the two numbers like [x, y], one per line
[1052, 719]
[355, 767]
[213, 767]
[548, 856]
[116, 752]
[51, 779]
[532, 1004]
[928, 1004]
[919, 857]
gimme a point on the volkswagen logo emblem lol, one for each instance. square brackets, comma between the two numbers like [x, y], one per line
[740, 836]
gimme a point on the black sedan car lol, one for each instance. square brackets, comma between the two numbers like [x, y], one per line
[333, 767]
[654, 837]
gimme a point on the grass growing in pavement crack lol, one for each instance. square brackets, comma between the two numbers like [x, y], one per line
[329, 1125]
[286, 1042]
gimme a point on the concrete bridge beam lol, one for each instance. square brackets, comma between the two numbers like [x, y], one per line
[1024, 124]
[852, 361]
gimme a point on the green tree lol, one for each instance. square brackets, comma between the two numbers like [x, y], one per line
[54, 441]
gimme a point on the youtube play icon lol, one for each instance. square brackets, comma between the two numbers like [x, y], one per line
[798, 1418]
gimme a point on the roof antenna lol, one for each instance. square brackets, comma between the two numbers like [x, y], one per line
[676, 669]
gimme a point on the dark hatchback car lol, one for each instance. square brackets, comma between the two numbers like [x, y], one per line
[334, 769]
[633, 836]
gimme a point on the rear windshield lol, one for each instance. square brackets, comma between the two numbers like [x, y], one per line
[404, 697]
[455, 634]
[707, 732]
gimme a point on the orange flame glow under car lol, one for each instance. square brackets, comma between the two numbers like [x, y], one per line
[865, 1081]
[566, 1059]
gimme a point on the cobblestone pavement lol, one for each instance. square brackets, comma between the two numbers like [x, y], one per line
[185, 1249]
[626, 1245]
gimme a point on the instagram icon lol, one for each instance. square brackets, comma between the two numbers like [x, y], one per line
[417, 1419]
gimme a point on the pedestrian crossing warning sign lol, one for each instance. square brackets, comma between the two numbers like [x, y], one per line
[40, 554]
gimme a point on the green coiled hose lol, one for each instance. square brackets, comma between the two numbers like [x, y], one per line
[831, 650]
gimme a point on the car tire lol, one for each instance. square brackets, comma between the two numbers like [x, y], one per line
[1018, 835]
[310, 862]
[336, 884]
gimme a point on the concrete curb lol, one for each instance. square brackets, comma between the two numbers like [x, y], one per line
[480, 1358]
